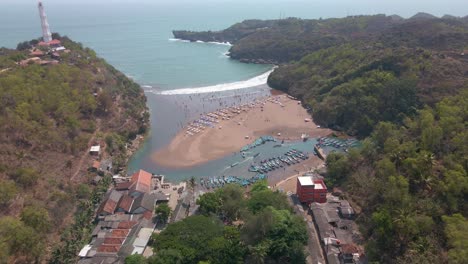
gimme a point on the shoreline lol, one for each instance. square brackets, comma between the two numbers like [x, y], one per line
[226, 131]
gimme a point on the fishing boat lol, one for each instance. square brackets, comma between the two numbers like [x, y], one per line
[234, 164]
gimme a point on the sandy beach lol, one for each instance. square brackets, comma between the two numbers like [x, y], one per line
[276, 114]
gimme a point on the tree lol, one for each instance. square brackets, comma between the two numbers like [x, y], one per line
[26, 177]
[456, 230]
[167, 256]
[210, 203]
[192, 182]
[262, 199]
[259, 186]
[20, 240]
[7, 191]
[135, 259]
[163, 211]
[232, 196]
[190, 237]
[37, 218]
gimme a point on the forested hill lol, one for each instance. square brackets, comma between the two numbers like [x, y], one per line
[356, 71]
[403, 85]
[54, 105]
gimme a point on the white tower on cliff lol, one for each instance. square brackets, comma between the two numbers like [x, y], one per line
[46, 35]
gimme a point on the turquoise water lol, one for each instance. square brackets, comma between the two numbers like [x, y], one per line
[135, 37]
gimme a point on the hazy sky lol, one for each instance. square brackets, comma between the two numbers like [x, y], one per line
[402, 7]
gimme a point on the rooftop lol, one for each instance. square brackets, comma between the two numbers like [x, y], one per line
[141, 181]
[305, 181]
[95, 149]
[310, 181]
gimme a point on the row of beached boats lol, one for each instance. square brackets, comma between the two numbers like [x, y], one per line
[291, 157]
[217, 182]
[337, 143]
[258, 142]
[213, 118]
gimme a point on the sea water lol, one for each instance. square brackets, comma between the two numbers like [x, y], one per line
[182, 79]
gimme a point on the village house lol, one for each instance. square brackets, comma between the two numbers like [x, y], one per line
[125, 220]
[310, 190]
[338, 234]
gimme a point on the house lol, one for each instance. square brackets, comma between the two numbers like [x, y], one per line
[345, 210]
[125, 204]
[141, 183]
[55, 43]
[110, 203]
[310, 190]
[95, 150]
[96, 165]
[143, 203]
[142, 240]
[106, 165]
[36, 53]
[162, 197]
[350, 253]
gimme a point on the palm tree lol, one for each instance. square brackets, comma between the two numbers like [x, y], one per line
[192, 183]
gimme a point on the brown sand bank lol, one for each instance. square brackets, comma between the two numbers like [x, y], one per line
[278, 114]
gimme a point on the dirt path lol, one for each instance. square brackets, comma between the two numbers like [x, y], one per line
[4, 70]
[85, 155]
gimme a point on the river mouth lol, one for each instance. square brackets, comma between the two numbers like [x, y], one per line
[171, 113]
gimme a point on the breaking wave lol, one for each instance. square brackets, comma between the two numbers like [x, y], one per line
[199, 41]
[255, 81]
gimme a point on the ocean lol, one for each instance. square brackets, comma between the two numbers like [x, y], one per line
[136, 37]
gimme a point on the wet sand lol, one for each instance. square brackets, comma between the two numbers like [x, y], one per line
[228, 136]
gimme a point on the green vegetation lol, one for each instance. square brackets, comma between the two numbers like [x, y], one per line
[8, 191]
[163, 211]
[48, 114]
[234, 227]
[76, 235]
[411, 182]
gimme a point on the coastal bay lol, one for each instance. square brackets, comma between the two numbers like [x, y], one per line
[278, 116]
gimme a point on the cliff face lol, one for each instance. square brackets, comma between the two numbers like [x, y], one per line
[54, 107]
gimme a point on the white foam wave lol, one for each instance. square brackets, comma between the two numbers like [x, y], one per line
[147, 86]
[199, 41]
[225, 55]
[219, 43]
[179, 40]
[255, 81]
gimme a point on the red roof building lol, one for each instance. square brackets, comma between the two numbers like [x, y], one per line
[141, 183]
[120, 233]
[109, 248]
[311, 191]
[109, 206]
[36, 53]
[54, 42]
[113, 241]
[125, 204]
